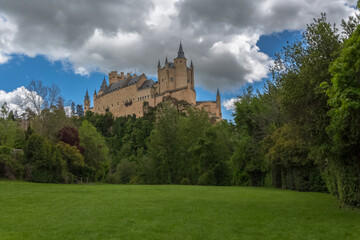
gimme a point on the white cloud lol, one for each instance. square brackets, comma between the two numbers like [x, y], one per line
[219, 36]
[15, 99]
[229, 104]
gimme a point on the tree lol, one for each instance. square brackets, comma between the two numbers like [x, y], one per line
[344, 127]
[45, 161]
[70, 136]
[162, 145]
[38, 96]
[79, 110]
[299, 71]
[74, 160]
[95, 152]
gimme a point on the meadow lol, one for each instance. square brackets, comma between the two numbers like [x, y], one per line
[104, 211]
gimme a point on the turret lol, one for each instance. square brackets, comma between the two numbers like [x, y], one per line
[86, 101]
[103, 87]
[192, 75]
[218, 103]
[166, 62]
[158, 66]
[95, 94]
[181, 69]
[113, 77]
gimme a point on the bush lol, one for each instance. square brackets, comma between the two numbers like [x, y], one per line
[185, 181]
[10, 167]
[207, 178]
[45, 160]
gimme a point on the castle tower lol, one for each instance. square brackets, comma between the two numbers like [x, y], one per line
[113, 77]
[95, 95]
[86, 101]
[181, 74]
[218, 103]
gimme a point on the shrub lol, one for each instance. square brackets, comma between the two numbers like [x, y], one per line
[207, 178]
[45, 161]
[10, 167]
[185, 181]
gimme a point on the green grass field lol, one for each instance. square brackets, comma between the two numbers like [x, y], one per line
[100, 211]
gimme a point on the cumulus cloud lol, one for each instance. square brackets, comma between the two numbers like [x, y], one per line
[219, 36]
[229, 104]
[15, 99]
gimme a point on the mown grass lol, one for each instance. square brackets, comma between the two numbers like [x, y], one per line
[101, 211]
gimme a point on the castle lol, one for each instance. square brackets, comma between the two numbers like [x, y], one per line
[126, 94]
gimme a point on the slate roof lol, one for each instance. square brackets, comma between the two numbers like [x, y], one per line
[147, 84]
[181, 53]
[103, 85]
[128, 82]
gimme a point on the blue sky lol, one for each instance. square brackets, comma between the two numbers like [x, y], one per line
[73, 45]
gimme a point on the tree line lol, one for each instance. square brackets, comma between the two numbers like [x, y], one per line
[300, 132]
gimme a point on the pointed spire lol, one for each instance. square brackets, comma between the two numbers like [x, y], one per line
[181, 53]
[166, 60]
[87, 95]
[191, 64]
[159, 66]
[103, 85]
[218, 93]
[95, 92]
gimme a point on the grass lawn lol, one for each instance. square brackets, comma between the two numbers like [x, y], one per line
[101, 211]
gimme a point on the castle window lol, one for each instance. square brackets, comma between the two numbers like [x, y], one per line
[180, 61]
[117, 103]
[171, 79]
[162, 80]
[112, 105]
[148, 96]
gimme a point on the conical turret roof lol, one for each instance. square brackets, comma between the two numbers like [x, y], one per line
[103, 85]
[87, 95]
[181, 53]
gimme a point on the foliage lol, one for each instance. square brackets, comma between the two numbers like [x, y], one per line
[74, 160]
[11, 166]
[45, 161]
[344, 128]
[95, 152]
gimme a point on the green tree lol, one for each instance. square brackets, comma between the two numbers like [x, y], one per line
[45, 161]
[162, 147]
[74, 160]
[344, 128]
[96, 152]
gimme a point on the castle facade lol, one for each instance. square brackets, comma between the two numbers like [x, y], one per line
[126, 94]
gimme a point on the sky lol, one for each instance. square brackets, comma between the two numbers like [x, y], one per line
[75, 44]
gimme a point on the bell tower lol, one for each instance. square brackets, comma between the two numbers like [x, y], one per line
[86, 101]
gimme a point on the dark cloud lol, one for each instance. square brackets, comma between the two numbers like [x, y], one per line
[219, 36]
